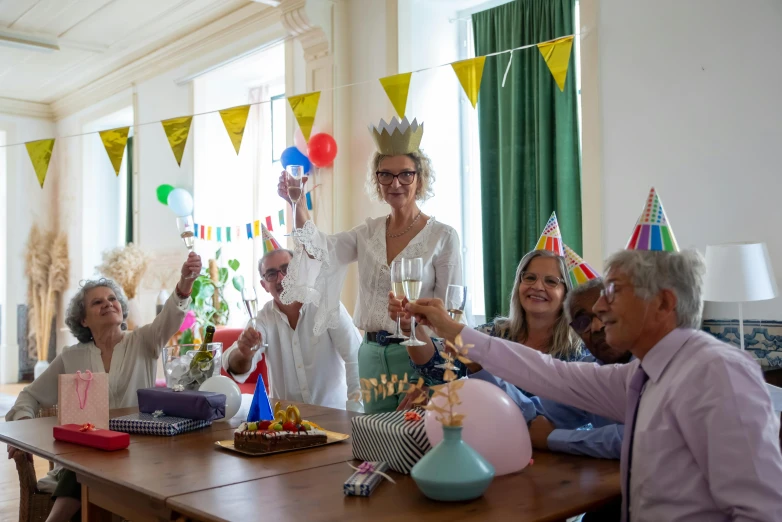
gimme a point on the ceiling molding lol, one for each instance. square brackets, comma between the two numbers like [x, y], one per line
[241, 23]
[26, 108]
[313, 39]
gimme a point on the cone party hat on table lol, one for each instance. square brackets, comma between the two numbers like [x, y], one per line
[260, 408]
[551, 238]
[652, 231]
[579, 270]
[269, 243]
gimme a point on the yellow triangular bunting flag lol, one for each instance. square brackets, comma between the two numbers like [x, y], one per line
[40, 153]
[235, 119]
[557, 57]
[470, 73]
[304, 108]
[114, 141]
[177, 130]
[397, 87]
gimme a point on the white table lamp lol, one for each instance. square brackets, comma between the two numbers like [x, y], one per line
[739, 273]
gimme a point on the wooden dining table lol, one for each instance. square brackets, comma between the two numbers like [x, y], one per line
[188, 477]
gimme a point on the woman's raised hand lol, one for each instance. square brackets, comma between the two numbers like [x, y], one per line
[432, 313]
[397, 307]
[282, 186]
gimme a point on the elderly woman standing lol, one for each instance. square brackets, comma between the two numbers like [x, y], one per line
[96, 316]
[400, 175]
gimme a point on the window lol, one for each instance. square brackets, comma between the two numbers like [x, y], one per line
[278, 126]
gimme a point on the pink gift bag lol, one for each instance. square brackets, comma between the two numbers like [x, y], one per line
[84, 398]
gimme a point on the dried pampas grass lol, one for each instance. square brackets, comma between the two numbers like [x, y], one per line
[126, 266]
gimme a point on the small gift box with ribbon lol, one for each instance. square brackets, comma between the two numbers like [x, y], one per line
[397, 438]
[366, 478]
[188, 404]
[89, 435]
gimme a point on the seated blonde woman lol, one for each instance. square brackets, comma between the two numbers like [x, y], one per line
[96, 317]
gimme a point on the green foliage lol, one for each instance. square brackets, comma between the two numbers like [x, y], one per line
[202, 298]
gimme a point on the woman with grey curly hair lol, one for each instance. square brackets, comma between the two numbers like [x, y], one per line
[400, 175]
[96, 317]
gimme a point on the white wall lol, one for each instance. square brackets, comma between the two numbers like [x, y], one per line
[690, 104]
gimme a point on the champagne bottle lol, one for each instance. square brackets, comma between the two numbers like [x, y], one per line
[204, 354]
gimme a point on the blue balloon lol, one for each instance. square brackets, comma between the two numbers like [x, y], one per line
[293, 156]
[181, 202]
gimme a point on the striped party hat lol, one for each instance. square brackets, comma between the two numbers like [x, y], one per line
[652, 231]
[269, 243]
[551, 239]
[579, 270]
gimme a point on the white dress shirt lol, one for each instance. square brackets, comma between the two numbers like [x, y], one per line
[303, 367]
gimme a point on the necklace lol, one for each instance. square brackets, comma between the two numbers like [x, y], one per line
[388, 220]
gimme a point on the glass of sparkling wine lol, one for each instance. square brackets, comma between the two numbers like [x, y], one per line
[295, 174]
[455, 301]
[250, 301]
[412, 274]
[398, 288]
[187, 233]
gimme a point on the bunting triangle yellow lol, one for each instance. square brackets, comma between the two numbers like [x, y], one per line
[235, 120]
[114, 142]
[397, 87]
[304, 107]
[556, 54]
[177, 130]
[470, 73]
[40, 153]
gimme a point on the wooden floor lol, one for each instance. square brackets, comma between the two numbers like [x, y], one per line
[9, 479]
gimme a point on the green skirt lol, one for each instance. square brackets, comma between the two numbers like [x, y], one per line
[375, 360]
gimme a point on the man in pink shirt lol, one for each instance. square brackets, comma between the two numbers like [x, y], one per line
[701, 439]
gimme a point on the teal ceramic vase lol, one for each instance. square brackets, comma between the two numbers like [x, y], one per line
[452, 471]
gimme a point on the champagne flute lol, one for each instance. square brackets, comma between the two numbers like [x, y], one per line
[251, 305]
[455, 301]
[187, 233]
[398, 288]
[412, 274]
[295, 174]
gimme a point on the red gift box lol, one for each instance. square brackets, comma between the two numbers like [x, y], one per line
[87, 435]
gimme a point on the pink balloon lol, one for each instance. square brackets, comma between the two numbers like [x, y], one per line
[493, 425]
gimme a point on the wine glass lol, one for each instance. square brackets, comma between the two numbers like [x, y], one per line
[398, 288]
[187, 233]
[295, 174]
[412, 274]
[250, 301]
[455, 301]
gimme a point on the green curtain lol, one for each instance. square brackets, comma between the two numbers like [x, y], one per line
[129, 198]
[530, 160]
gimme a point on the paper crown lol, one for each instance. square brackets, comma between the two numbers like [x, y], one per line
[652, 231]
[269, 243]
[551, 239]
[397, 137]
[579, 270]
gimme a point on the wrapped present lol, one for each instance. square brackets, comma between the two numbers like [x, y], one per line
[89, 435]
[188, 404]
[83, 398]
[155, 424]
[366, 478]
[394, 437]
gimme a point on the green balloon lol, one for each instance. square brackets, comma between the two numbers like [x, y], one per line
[162, 193]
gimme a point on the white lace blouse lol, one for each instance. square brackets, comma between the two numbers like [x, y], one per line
[319, 279]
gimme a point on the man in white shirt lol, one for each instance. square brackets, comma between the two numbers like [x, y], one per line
[303, 367]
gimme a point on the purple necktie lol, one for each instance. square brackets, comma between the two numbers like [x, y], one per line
[631, 412]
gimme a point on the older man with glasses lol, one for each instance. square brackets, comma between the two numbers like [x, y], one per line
[304, 367]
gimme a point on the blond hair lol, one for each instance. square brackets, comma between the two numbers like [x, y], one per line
[423, 167]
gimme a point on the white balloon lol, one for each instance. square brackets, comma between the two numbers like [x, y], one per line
[224, 385]
[180, 202]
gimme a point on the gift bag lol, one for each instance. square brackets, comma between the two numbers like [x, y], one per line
[397, 437]
[83, 398]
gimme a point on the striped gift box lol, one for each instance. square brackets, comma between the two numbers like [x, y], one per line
[146, 424]
[363, 484]
[388, 437]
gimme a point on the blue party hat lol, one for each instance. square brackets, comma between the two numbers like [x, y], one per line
[260, 409]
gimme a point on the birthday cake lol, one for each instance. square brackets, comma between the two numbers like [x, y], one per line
[286, 432]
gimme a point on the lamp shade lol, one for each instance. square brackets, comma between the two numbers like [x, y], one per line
[739, 272]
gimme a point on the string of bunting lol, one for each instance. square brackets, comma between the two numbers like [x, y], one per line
[555, 53]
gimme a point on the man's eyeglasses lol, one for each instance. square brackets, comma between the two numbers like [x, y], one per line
[272, 273]
[386, 178]
[582, 323]
[608, 292]
[529, 279]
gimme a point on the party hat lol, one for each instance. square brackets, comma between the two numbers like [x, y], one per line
[579, 270]
[551, 239]
[397, 138]
[269, 243]
[652, 231]
[260, 408]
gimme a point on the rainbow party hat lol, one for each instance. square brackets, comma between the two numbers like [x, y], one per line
[579, 270]
[269, 243]
[652, 231]
[551, 239]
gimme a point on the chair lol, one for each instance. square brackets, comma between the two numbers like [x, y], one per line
[228, 336]
[34, 505]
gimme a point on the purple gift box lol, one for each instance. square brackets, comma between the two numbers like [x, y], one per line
[188, 404]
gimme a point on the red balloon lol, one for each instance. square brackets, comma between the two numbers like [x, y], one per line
[322, 149]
